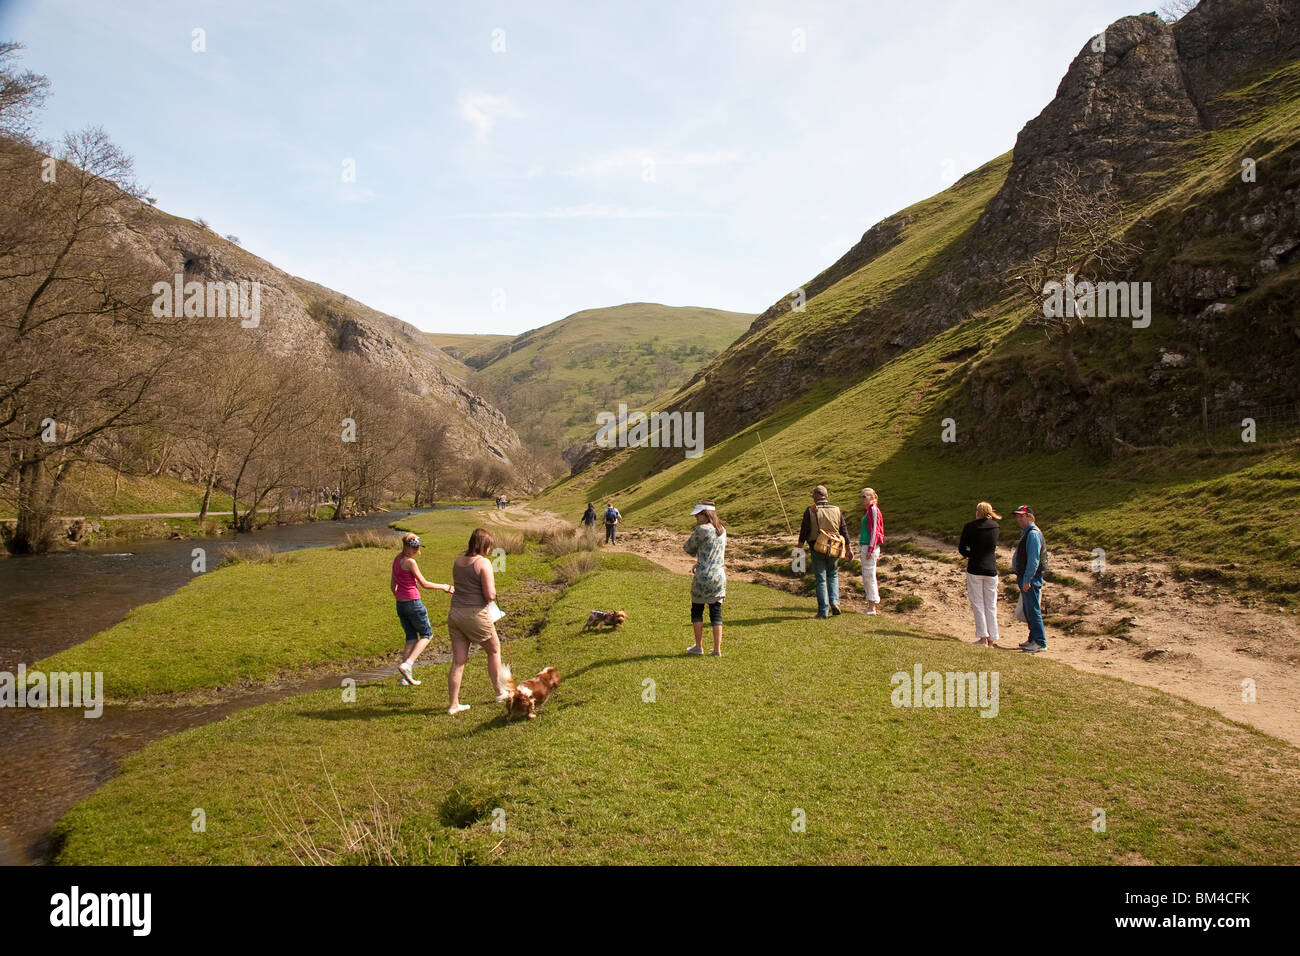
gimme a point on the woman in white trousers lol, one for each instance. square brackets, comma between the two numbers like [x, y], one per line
[870, 538]
[979, 546]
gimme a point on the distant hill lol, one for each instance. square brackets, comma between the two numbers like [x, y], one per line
[466, 347]
[551, 381]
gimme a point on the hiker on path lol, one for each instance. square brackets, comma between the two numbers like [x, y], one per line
[589, 517]
[612, 518]
[469, 620]
[708, 545]
[406, 581]
[828, 539]
[1028, 565]
[979, 546]
[870, 538]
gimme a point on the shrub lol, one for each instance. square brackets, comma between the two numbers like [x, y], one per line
[370, 538]
[572, 567]
[512, 542]
[253, 554]
[562, 541]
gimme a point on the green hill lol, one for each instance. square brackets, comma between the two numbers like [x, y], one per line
[916, 329]
[551, 381]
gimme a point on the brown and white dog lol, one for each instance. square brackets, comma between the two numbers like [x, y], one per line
[524, 699]
[604, 619]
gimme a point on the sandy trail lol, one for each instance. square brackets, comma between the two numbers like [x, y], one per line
[1138, 621]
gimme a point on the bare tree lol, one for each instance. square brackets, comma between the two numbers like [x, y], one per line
[486, 476]
[432, 460]
[1084, 229]
[374, 425]
[209, 419]
[21, 95]
[81, 354]
[285, 404]
[531, 470]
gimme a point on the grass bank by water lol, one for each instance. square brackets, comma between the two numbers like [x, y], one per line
[273, 617]
[645, 755]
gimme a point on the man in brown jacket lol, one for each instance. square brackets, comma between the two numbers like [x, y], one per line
[824, 516]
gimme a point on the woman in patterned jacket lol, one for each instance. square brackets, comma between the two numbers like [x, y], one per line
[708, 544]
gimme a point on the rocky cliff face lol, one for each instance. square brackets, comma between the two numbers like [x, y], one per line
[1157, 110]
[306, 322]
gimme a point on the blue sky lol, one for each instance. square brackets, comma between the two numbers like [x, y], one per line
[679, 152]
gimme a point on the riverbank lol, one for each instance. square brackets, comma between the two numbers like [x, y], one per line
[55, 757]
[791, 748]
[257, 618]
[90, 531]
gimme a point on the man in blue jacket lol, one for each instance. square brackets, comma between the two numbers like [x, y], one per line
[1028, 566]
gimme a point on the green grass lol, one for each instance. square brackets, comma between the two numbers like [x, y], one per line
[254, 622]
[796, 717]
[91, 491]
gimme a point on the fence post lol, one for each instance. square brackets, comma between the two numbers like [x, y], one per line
[1205, 421]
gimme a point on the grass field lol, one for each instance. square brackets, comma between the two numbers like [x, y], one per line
[645, 755]
[254, 621]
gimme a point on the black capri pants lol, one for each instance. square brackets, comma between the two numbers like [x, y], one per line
[715, 613]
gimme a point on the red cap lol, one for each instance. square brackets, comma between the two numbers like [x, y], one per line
[1024, 510]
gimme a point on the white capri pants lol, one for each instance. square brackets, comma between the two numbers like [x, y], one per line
[869, 587]
[982, 589]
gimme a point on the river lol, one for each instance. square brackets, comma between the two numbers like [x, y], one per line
[51, 758]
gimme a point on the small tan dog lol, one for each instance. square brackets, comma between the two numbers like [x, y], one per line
[523, 700]
[604, 619]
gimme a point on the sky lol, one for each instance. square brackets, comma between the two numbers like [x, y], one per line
[495, 166]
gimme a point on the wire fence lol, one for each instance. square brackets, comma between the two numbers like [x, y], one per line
[1257, 422]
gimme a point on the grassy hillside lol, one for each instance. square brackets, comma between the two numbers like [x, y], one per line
[1239, 512]
[645, 755]
[95, 490]
[552, 381]
[1236, 508]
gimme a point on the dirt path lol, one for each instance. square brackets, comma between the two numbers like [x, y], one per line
[1137, 622]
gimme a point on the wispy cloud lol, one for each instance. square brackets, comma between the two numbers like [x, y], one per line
[352, 193]
[482, 110]
[640, 157]
[584, 211]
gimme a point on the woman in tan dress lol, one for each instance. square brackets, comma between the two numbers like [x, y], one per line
[469, 619]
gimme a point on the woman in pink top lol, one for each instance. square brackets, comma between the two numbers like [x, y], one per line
[870, 538]
[406, 583]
